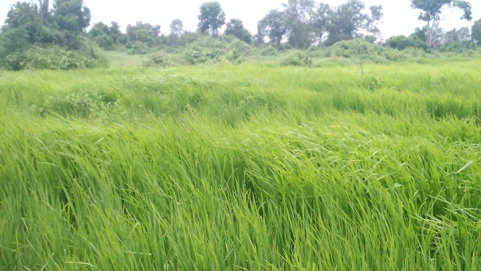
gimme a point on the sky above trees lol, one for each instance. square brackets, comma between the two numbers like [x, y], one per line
[399, 18]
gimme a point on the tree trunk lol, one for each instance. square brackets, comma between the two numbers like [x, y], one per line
[44, 5]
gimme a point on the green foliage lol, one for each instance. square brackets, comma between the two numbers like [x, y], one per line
[370, 52]
[297, 20]
[211, 18]
[138, 48]
[268, 51]
[85, 104]
[158, 59]
[346, 21]
[104, 41]
[431, 14]
[403, 42]
[476, 31]
[255, 167]
[203, 56]
[240, 47]
[144, 33]
[31, 38]
[297, 58]
[177, 27]
[107, 37]
[71, 16]
[236, 28]
[432, 8]
[53, 58]
[272, 26]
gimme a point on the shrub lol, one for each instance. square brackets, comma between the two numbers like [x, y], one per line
[370, 52]
[235, 57]
[297, 59]
[240, 47]
[403, 42]
[53, 58]
[138, 48]
[269, 51]
[158, 60]
[105, 42]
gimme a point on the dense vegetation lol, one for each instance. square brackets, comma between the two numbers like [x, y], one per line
[310, 145]
[39, 37]
[232, 167]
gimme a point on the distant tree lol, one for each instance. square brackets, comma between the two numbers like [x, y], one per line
[403, 42]
[177, 27]
[71, 15]
[115, 33]
[143, 32]
[211, 18]
[99, 29]
[461, 35]
[100, 33]
[431, 14]
[297, 18]
[188, 37]
[236, 28]
[476, 32]
[273, 27]
[347, 21]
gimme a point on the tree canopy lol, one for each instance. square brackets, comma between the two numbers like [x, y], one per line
[236, 28]
[71, 15]
[211, 18]
[431, 11]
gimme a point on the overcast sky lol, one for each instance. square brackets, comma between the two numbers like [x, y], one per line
[399, 18]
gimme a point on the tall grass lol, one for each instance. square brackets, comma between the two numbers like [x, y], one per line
[246, 167]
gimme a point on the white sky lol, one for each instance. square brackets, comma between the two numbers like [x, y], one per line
[399, 18]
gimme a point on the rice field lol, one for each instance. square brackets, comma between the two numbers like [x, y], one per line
[248, 167]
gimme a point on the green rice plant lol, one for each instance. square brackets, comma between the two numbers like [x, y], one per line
[241, 167]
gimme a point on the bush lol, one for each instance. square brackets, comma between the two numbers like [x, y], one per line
[208, 43]
[138, 48]
[240, 47]
[53, 58]
[297, 59]
[269, 51]
[194, 57]
[105, 42]
[403, 42]
[235, 57]
[370, 52]
[158, 60]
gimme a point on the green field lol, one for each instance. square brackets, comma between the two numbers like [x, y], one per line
[242, 167]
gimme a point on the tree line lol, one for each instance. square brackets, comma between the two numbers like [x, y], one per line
[295, 24]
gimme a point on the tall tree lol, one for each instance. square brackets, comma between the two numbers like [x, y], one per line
[236, 28]
[476, 31]
[44, 10]
[454, 36]
[211, 18]
[143, 32]
[177, 28]
[115, 33]
[347, 21]
[431, 13]
[71, 15]
[23, 20]
[297, 17]
[272, 26]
